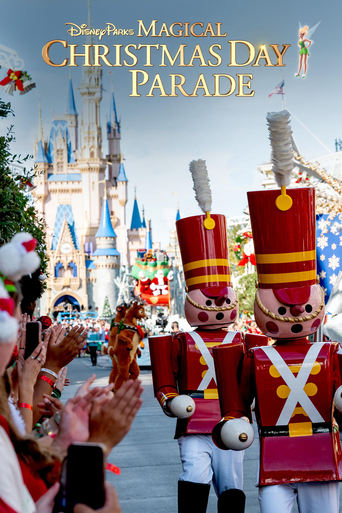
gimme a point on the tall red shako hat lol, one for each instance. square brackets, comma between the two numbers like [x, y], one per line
[284, 240]
[283, 221]
[203, 239]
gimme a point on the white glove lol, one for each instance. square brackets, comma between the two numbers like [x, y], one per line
[237, 434]
[182, 406]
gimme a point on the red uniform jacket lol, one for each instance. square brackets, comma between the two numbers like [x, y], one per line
[293, 383]
[183, 364]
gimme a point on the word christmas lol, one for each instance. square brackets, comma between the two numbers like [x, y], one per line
[235, 53]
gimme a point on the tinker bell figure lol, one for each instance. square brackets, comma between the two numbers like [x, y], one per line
[304, 44]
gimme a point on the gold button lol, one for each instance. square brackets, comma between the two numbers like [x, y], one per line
[283, 391]
[316, 368]
[273, 371]
[310, 389]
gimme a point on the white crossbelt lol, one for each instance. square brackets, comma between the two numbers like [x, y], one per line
[296, 384]
[210, 374]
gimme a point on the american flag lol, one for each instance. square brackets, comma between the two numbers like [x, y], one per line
[329, 250]
[279, 89]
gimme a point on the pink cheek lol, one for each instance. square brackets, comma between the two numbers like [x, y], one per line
[233, 315]
[202, 316]
[271, 327]
[315, 324]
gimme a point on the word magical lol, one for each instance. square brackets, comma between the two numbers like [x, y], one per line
[233, 53]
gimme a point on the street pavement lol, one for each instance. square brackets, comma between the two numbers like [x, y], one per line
[148, 456]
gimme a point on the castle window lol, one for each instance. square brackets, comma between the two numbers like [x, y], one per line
[59, 154]
[59, 270]
[73, 267]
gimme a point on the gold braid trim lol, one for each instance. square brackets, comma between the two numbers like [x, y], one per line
[289, 319]
[212, 308]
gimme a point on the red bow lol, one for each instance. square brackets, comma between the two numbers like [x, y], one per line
[30, 245]
[245, 259]
[13, 76]
[7, 305]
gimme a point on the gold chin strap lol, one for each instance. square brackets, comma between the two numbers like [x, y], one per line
[212, 308]
[289, 319]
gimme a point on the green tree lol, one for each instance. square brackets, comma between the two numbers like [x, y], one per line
[245, 291]
[17, 213]
[106, 313]
[245, 288]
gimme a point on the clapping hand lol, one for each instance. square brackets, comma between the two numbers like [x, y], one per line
[63, 349]
[111, 416]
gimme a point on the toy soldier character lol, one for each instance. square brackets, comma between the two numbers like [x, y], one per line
[293, 381]
[183, 368]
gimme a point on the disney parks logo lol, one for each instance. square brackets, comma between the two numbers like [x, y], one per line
[109, 30]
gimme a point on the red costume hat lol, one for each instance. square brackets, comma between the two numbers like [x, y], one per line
[285, 240]
[204, 252]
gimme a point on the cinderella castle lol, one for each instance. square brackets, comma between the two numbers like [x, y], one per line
[81, 191]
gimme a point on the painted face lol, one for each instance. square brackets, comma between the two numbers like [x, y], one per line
[303, 305]
[212, 307]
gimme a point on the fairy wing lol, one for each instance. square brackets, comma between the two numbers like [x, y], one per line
[312, 30]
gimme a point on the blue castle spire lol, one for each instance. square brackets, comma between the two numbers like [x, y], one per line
[143, 222]
[41, 157]
[105, 228]
[122, 174]
[136, 219]
[116, 119]
[71, 105]
[148, 241]
[178, 216]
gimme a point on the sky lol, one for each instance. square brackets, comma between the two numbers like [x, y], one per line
[160, 136]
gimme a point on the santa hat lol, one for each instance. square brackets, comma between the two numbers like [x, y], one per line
[17, 258]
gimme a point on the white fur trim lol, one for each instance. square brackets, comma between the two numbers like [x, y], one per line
[9, 260]
[15, 261]
[12, 488]
[8, 328]
[17, 417]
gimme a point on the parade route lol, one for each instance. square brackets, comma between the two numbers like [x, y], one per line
[148, 456]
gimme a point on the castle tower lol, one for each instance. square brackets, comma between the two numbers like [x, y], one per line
[113, 138]
[72, 119]
[173, 247]
[121, 226]
[143, 222]
[136, 233]
[107, 262]
[148, 239]
[41, 167]
[90, 162]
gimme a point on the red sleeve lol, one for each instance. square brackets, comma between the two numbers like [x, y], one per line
[230, 366]
[163, 371]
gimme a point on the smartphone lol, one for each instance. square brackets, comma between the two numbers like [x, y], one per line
[33, 337]
[84, 476]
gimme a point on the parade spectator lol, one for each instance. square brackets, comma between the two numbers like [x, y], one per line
[175, 327]
[93, 340]
[31, 289]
